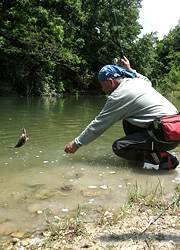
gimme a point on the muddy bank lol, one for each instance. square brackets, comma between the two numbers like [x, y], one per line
[146, 221]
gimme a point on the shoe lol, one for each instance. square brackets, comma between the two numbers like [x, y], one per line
[171, 163]
[150, 166]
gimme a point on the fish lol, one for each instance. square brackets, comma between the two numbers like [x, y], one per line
[22, 140]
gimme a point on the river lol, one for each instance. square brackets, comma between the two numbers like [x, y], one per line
[33, 177]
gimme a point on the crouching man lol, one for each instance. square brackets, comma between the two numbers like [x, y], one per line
[131, 98]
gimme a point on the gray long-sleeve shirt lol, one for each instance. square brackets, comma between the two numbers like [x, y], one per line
[134, 100]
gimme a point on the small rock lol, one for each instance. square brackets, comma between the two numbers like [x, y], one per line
[87, 245]
[46, 234]
[103, 187]
[24, 243]
[107, 213]
[29, 241]
[7, 228]
[78, 175]
[46, 194]
[67, 187]
[90, 193]
[18, 235]
[35, 241]
[39, 211]
[15, 240]
[64, 210]
[112, 172]
[10, 247]
[92, 186]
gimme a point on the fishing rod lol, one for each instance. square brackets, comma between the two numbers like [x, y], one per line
[116, 61]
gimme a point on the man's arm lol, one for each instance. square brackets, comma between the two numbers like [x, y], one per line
[126, 64]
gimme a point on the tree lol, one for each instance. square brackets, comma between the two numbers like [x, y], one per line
[100, 31]
[143, 56]
[168, 55]
[51, 45]
[31, 46]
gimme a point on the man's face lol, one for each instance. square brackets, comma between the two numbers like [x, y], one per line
[108, 86]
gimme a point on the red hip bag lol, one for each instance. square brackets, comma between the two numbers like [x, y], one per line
[167, 128]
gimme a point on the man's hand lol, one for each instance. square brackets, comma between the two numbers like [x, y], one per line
[70, 149]
[125, 63]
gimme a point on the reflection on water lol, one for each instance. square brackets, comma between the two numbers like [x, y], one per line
[39, 178]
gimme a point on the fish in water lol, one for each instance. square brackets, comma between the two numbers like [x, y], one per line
[23, 139]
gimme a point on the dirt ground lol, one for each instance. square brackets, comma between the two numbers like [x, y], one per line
[137, 226]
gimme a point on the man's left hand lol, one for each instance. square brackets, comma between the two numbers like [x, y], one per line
[125, 63]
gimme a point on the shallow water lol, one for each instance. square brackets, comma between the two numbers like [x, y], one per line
[32, 177]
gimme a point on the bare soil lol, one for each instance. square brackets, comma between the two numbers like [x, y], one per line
[137, 226]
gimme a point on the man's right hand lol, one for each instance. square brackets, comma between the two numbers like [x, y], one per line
[70, 149]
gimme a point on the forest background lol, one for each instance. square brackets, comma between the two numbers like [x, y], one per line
[48, 47]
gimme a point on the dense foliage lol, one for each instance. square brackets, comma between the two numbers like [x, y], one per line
[50, 46]
[168, 51]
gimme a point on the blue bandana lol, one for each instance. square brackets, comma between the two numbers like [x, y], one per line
[112, 72]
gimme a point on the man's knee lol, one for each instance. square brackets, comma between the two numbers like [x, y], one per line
[117, 148]
[121, 149]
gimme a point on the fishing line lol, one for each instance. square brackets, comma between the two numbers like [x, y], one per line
[119, 37]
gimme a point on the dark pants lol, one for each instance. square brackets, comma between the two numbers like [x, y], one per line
[139, 145]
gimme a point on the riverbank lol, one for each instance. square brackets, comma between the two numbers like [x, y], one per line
[147, 221]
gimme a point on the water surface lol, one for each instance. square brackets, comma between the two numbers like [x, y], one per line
[32, 177]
